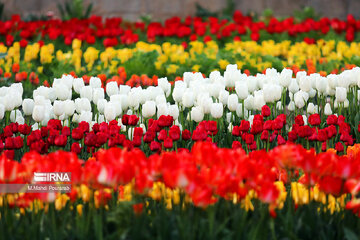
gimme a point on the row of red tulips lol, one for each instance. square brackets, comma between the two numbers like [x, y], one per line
[264, 132]
[114, 31]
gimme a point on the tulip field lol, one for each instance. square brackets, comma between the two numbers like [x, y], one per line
[195, 128]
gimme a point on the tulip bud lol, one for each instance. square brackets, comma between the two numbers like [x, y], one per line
[148, 109]
[285, 77]
[38, 113]
[249, 102]
[28, 106]
[112, 88]
[196, 114]
[259, 101]
[217, 110]
[8, 103]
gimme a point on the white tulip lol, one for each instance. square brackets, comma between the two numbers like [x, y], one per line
[232, 102]
[241, 89]
[59, 108]
[174, 111]
[124, 89]
[98, 93]
[109, 112]
[38, 113]
[69, 107]
[164, 84]
[197, 114]
[95, 82]
[321, 84]
[293, 87]
[217, 110]
[148, 109]
[14, 114]
[112, 88]
[86, 92]
[82, 104]
[291, 106]
[305, 83]
[223, 97]
[160, 99]
[101, 105]
[8, 103]
[86, 116]
[188, 99]
[327, 109]
[62, 92]
[285, 77]
[28, 106]
[249, 102]
[279, 106]
[340, 94]
[78, 84]
[259, 101]
[311, 109]
[206, 105]
[162, 109]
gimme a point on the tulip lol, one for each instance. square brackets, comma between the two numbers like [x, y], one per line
[98, 93]
[232, 102]
[148, 109]
[124, 89]
[311, 108]
[188, 99]
[95, 82]
[62, 92]
[82, 104]
[241, 89]
[28, 106]
[78, 84]
[223, 97]
[38, 113]
[293, 87]
[59, 108]
[110, 111]
[86, 92]
[197, 114]
[327, 109]
[174, 111]
[112, 88]
[217, 110]
[340, 94]
[69, 107]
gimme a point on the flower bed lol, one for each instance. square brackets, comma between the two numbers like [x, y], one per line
[264, 148]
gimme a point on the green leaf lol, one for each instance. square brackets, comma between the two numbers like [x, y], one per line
[349, 234]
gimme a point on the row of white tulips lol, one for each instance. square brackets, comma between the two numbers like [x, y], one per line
[197, 95]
